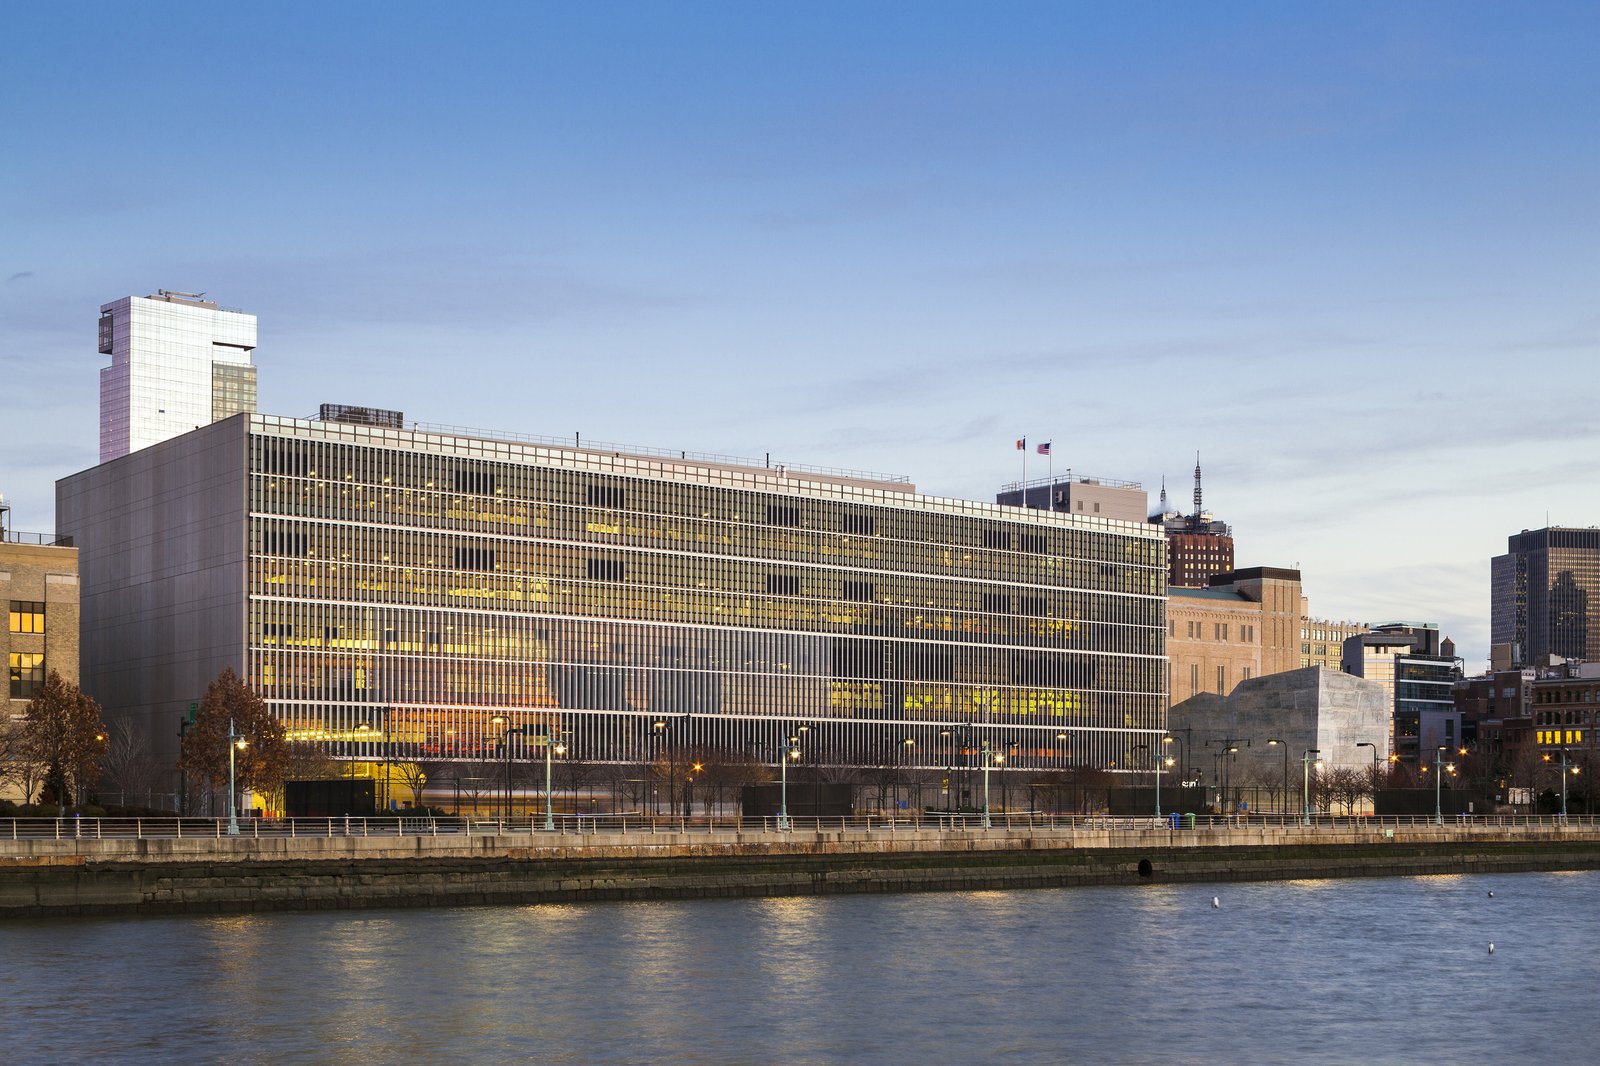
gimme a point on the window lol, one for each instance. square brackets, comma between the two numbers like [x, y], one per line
[857, 523]
[783, 584]
[997, 538]
[27, 616]
[284, 542]
[782, 516]
[1194, 677]
[27, 674]
[606, 495]
[859, 591]
[476, 482]
[606, 569]
[1222, 680]
[476, 559]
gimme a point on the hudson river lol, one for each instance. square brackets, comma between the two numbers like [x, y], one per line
[1385, 970]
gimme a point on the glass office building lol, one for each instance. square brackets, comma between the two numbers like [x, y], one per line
[1545, 596]
[401, 591]
[177, 361]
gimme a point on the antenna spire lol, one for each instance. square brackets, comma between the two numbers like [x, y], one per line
[1197, 507]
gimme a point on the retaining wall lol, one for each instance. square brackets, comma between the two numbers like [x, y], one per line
[152, 876]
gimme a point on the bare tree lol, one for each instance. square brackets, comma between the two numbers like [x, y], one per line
[308, 761]
[1347, 786]
[16, 759]
[477, 779]
[414, 772]
[129, 766]
[575, 775]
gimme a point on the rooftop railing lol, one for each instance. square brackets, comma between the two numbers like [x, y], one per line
[49, 540]
[577, 441]
[1068, 476]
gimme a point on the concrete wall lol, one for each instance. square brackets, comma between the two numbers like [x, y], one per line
[161, 535]
[75, 877]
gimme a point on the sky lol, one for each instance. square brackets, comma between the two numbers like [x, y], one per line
[1348, 253]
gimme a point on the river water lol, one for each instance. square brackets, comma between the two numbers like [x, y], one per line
[1353, 971]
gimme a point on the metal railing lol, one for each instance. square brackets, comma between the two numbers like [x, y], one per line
[47, 540]
[585, 825]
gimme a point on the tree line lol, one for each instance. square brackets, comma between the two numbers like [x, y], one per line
[62, 748]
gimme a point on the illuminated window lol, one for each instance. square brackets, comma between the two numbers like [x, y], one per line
[27, 616]
[27, 674]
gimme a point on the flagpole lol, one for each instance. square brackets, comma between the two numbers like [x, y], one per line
[1024, 471]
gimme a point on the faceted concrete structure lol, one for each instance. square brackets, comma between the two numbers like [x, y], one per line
[1311, 708]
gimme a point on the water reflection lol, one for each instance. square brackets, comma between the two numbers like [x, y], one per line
[1314, 971]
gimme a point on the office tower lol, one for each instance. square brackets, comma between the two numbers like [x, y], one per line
[1545, 598]
[177, 361]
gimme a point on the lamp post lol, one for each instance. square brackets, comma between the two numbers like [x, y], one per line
[1439, 766]
[1305, 784]
[1170, 739]
[1157, 758]
[1005, 793]
[906, 747]
[1279, 742]
[547, 737]
[660, 727]
[505, 743]
[1374, 747]
[1230, 746]
[1564, 772]
[987, 757]
[791, 750]
[237, 743]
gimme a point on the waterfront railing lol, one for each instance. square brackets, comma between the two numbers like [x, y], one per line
[585, 825]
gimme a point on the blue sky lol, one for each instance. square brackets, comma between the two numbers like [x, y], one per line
[1348, 252]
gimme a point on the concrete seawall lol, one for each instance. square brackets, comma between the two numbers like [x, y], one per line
[240, 874]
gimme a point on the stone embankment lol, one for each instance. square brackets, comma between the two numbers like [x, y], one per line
[237, 874]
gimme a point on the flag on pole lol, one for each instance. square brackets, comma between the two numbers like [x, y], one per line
[1022, 444]
[1043, 449]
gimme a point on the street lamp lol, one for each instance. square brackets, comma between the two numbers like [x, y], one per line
[1564, 772]
[988, 757]
[551, 745]
[1279, 742]
[1005, 792]
[906, 753]
[791, 750]
[1157, 758]
[949, 770]
[1438, 783]
[1170, 739]
[660, 727]
[505, 743]
[1230, 746]
[1305, 785]
[1374, 747]
[237, 743]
